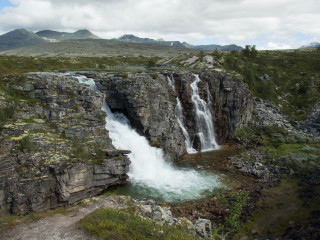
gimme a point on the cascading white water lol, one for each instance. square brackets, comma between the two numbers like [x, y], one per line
[88, 81]
[204, 125]
[149, 172]
[171, 82]
[179, 115]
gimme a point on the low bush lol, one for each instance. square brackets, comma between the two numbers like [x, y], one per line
[25, 143]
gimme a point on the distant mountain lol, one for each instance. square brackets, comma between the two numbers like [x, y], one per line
[311, 45]
[213, 47]
[54, 36]
[19, 38]
[24, 38]
[98, 48]
[134, 39]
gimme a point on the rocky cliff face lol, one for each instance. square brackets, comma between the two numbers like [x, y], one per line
[146, 99]
[149, 102]
[230, 101]
[56, 151]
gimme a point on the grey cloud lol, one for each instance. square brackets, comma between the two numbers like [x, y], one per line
[231, 21]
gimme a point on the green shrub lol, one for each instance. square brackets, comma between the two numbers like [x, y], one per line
[249, 135]
[250, 51]
[111, 224]
[277, 138]
[25, 143]
[155, 144]
[155, 75]
[151, 63]
[217, 54]
[235, 203]
[124, 75]
[6, 113]
[201, 55]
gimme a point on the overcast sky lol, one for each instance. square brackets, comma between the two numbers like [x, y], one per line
[270, 24]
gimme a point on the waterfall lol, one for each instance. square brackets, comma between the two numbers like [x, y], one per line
[149, 172]
[204, 125]
[171, 83]
[179, 115]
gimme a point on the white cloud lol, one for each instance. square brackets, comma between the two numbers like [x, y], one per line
[233, 21]
[272, 45]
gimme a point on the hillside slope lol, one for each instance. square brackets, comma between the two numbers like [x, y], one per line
[97, 47]
[19, 38]
[54, 36]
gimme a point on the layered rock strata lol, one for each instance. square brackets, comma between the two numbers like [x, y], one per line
[149, 103]
[55, 150]
[230, 102]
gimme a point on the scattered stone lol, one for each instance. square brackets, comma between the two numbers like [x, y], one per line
[203, 228]
[312, 124]
[265, 77]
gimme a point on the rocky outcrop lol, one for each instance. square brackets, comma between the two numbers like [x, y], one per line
[312, 124]
[270, 115]
[56, 150]
[149, 104]
[251, 163]
[203, 228]
[230, 101]
[151, 209]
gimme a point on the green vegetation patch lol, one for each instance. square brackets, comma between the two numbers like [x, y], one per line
[19, 64]
[290, 78]
[235, 202]
[114, 224]
[279, 208]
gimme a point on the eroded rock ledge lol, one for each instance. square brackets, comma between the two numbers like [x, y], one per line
[56, 150]
[149, 103]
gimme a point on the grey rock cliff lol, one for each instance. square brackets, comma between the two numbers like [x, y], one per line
[149, 104]
[56, 149]
[230, 101]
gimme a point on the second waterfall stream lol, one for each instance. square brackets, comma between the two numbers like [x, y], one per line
[149, 173]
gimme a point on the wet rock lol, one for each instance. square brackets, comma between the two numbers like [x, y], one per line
[230, 102]
[148, 104]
